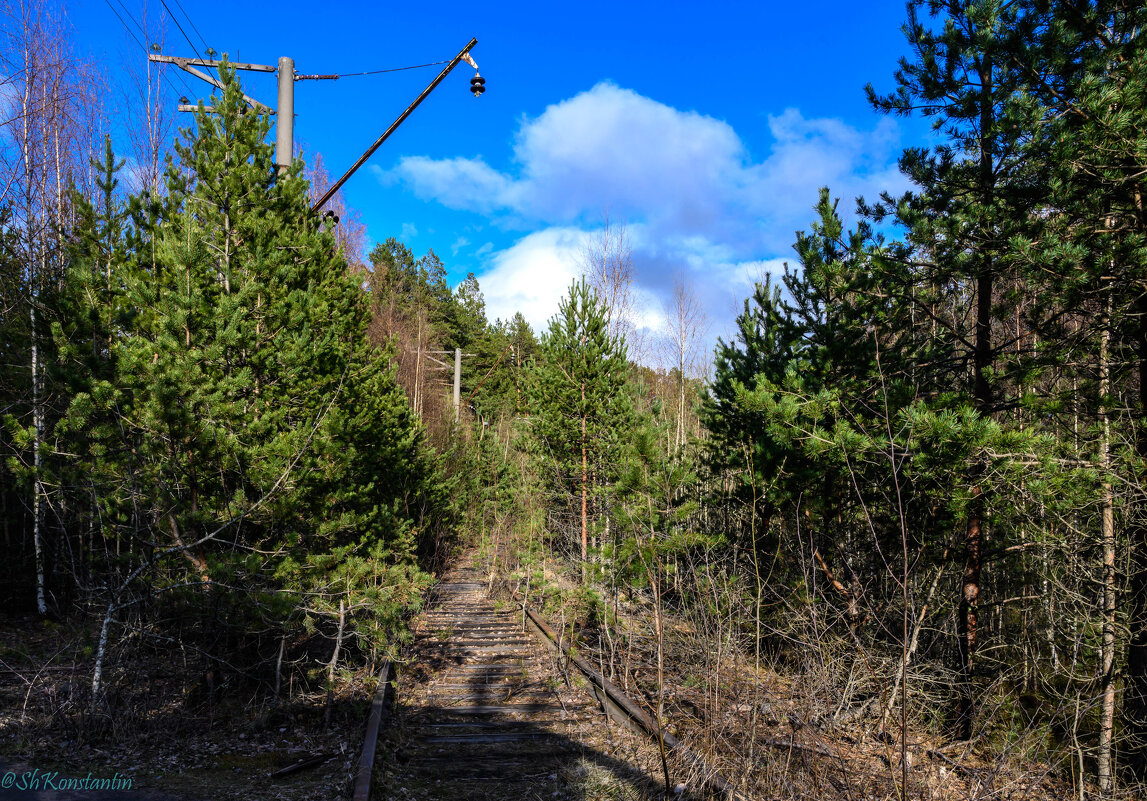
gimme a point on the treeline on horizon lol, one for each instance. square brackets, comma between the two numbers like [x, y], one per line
[924, 448]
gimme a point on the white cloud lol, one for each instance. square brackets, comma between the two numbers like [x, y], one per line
[409, 231]
[810, 153]
[649, 311]
[681, 173]
[457, 183]
[611, 147]
[694, 196]
[532, 276]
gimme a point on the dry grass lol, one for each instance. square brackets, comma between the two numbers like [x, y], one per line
[164, 735]
[801, 723]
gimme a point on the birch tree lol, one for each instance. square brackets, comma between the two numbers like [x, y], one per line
[688, 324]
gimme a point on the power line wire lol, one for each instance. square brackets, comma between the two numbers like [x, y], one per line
[146, 38]
[125, 27]
[130, 16]
[182, 80]
[175, 19]
[143, 47]
[206, 47]
[191, 22]
[163, 72]
[392, 69]
[186, 38]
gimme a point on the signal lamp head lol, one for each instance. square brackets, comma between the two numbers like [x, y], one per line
[477, 85]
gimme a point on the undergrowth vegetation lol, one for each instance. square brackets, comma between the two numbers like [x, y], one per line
[889, 541]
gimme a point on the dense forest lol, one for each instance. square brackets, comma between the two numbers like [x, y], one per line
[916, 474]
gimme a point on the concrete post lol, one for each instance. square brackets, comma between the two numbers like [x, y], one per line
[457, 383]
[285, 115]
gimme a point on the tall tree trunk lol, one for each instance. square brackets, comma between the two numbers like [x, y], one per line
[32, 217]
[1135, 696]
[968, 621]
[584, 485]
[1105, 766]
[660, 710]
[680, 439]
[418, 370]
[968, 616]
[37, 465]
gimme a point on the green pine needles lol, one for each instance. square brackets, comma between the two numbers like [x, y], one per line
[244, 448]
[580, 406]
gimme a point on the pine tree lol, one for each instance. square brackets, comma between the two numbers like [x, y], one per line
[413, 305]
[578, 402]
[523, 348]
[976, 191]
[652, 513]
[466, 323]
[92, 310]
[262, 452]
[1087, 258]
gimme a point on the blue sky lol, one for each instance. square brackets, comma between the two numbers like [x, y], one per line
[706, 130]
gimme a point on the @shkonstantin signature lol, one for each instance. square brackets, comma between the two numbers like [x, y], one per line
[37, 779]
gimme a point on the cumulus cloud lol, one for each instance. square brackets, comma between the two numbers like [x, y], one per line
[456, 183]
[808, 154]
[532, 276]
[680, 172]
[695, 196]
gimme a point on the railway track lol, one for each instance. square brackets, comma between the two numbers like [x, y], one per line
[484, 714]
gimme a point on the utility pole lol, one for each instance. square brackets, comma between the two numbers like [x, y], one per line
[284, 115]
[457, 383]
[429, 355]
[285, 112]
[188, 65]
[285, 119]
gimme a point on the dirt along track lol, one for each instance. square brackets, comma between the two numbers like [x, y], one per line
[483, 713]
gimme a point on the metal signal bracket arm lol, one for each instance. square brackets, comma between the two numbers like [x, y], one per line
[463, 55]
[188, 65]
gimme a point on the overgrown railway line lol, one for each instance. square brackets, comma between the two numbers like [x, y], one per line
[483, 712]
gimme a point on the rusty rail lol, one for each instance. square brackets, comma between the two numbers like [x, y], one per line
[622, 709]
[373, 723]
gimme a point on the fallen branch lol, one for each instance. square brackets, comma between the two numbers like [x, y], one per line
[791, 745]
[309, 762]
